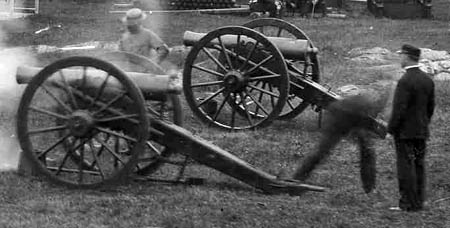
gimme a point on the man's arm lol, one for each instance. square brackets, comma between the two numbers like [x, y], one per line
[400, 105]
[163, 52]
[159, 45]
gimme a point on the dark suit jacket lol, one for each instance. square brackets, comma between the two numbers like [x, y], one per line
[413, 106]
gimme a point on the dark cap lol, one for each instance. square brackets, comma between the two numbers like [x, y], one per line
[410, 51]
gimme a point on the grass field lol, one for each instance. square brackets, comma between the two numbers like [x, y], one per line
[223, 201]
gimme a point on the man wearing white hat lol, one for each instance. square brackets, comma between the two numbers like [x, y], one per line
[140, 40]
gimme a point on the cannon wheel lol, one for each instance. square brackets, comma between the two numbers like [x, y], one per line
[169, 110]
[213, 89]
[279, 28]
[52, 123]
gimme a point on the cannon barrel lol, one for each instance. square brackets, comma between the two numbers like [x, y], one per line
[290, 48]
[148, 83]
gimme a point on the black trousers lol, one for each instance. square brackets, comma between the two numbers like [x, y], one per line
[411, 173]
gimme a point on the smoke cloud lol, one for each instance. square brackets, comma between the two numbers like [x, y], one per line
[10, 94]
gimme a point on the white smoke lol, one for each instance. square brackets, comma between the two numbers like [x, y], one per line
[10, 94]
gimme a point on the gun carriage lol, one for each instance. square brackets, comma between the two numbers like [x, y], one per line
[84, 122]
[253, 74]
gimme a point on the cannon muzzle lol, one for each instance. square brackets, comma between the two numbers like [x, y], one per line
[290, 48]
[148, 83]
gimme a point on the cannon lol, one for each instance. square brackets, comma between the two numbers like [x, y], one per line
[253, 74]
[83, 122]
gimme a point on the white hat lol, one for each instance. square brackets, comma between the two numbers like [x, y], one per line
[134, 16]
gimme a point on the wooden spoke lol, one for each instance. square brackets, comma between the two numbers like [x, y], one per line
[69, 152]
[207, 84]
[257, 66]
[253, 64]
[221, 106]
[48, 112]
[258, 105]
[47, 129]
[225, 53]
[100, 90]
[249, 55]
[96, 162]
[57, 99]
[111, 151]
[115, 118]
[68, 90]
[264, 91]
[110, 103]
[211, 97]
[258, 78]
[236, 50]
[214, 59]
[104, 130]
[215, 73]
[58, 142]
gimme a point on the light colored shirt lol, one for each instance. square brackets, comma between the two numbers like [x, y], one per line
[145, 43]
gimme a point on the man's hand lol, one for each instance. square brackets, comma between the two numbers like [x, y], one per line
[163, 52]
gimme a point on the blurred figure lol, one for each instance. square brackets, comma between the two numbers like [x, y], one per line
[347, 117]
[140, 40]
[266, 8]
[310, 7]
[413, 107]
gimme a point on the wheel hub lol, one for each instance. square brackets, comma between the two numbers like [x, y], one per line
[234, 81]
[81, 123]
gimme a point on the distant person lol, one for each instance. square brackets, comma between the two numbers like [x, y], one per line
[140, 40]
[413, 107]
[308, 7]
[270, 8]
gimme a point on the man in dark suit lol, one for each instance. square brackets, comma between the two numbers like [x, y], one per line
[413, 108]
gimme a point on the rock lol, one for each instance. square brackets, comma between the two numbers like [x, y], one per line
[445, 64]
[379, 93]
[444, 76]
[373, 56]
[434, 55]
[362, 51]
[348, 90]
[434, 67]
